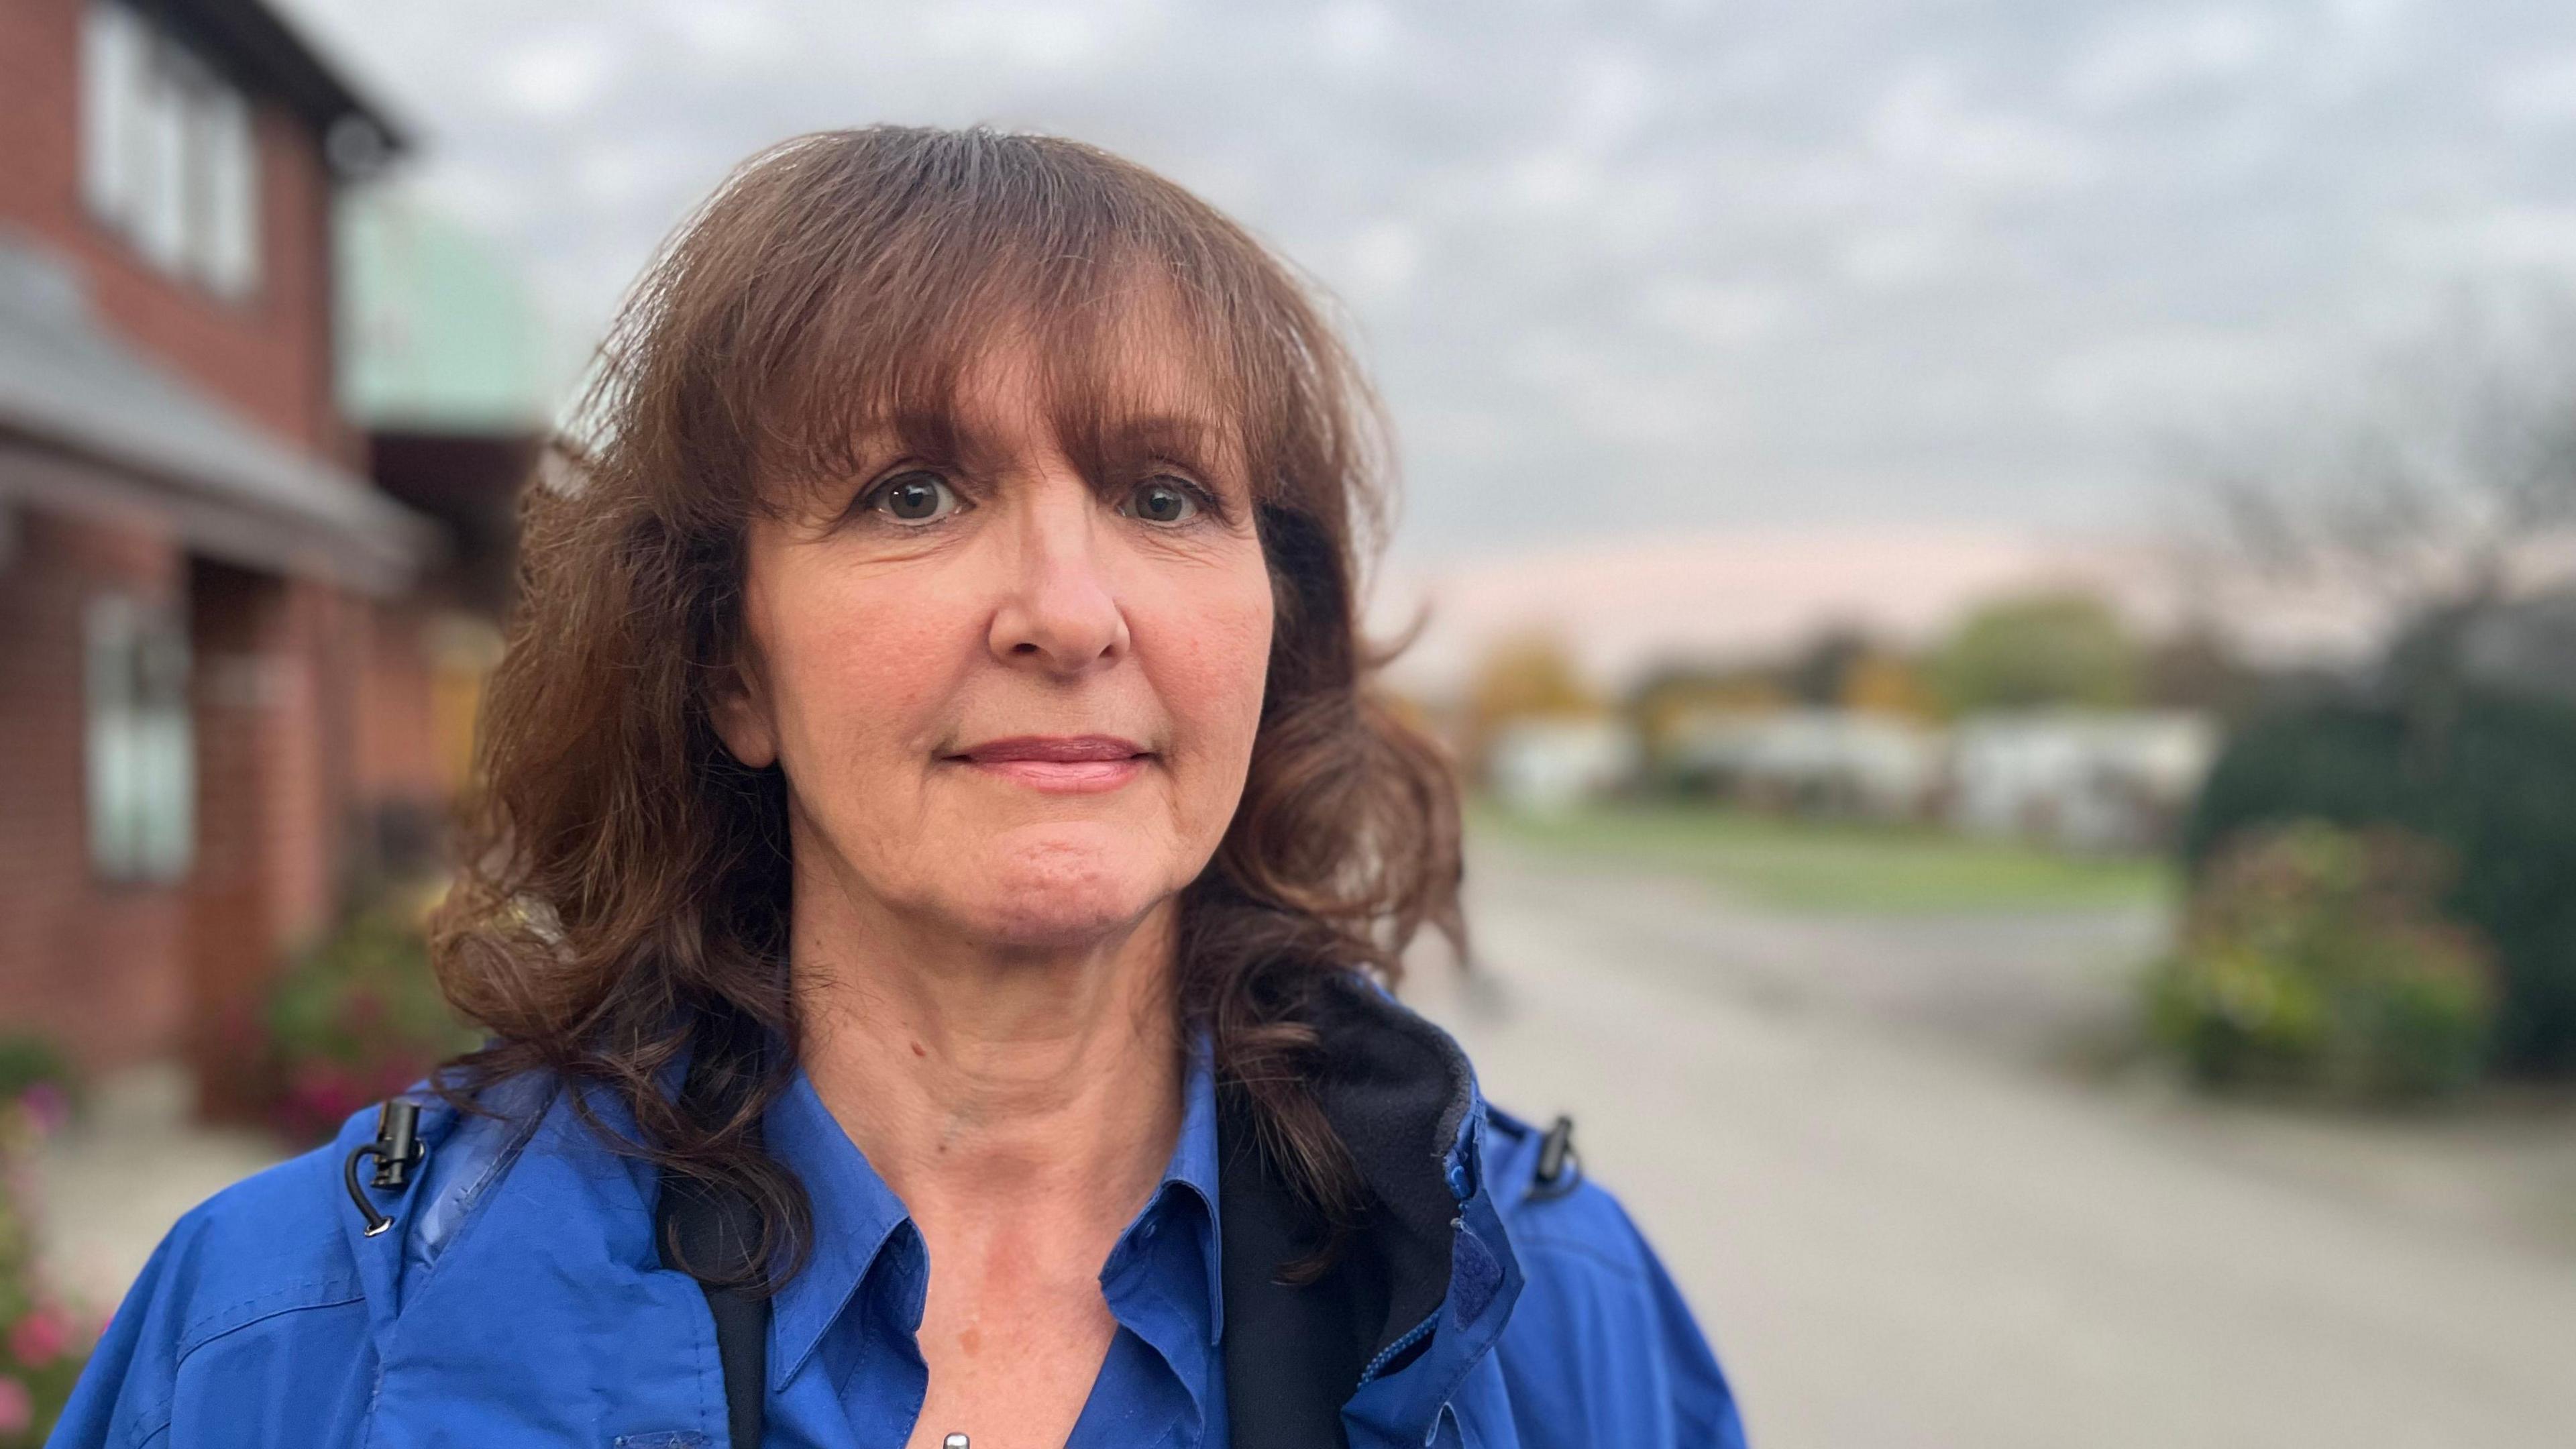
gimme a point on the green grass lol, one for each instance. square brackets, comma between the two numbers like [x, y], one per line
[1832, 867]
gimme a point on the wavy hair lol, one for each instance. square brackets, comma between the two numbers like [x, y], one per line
[622, 895]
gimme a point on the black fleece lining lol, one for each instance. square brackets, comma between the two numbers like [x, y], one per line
[1396, 1090]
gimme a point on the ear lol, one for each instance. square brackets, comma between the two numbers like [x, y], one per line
[740, 714]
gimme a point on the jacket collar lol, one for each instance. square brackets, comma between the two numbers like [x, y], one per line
[1372, 1351]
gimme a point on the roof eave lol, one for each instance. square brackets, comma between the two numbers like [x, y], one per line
[258, 41]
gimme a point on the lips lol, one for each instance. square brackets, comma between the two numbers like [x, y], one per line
[1058, 764]
[1054, 749]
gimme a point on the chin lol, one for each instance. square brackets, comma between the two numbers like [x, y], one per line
[1063, 893]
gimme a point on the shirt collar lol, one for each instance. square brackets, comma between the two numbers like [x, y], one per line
[1193, 1170]
[856, 1215]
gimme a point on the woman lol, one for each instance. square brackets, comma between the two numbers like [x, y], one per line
[937, 842]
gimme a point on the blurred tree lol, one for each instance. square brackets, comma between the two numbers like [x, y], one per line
[1529, 676]
[2431, 484]
[2444, 488]
[2197, 669]
[2032, 650]
[1668, 702]
[1880, 681]
[1843, 668]
[1817, 676]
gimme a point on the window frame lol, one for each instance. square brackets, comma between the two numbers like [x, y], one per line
[169, 152]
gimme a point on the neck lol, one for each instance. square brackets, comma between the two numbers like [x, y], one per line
[992, 1084]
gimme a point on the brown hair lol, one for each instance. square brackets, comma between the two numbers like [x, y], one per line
[623, 891]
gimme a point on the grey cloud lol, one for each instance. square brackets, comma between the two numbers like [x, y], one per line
[1644, 267]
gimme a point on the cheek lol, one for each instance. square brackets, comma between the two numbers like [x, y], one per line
[1213, 667]
[865, 673]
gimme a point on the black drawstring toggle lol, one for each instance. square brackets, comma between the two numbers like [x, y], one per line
[1559, 1166]
[397, 1150]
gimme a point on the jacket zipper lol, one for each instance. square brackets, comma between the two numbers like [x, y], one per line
[1412, 1336]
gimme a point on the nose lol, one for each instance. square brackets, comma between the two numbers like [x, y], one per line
[1059, 610]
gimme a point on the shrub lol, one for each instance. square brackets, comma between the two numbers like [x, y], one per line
[2315, 956]
[43, 1342]
[356, 1020]
[36, 1072]
[2491, 776]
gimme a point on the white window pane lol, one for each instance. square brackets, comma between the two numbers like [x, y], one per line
[196, 175]
[232, 194]
[165, 829]
[140, 764]
[111, 62]
[109, 690]
[161, 225]
[166, 747]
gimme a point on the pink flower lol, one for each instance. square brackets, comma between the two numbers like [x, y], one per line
[17, 1406]
[39, 1338]
[48, 1105]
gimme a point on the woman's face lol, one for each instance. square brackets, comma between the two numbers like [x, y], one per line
[1013, 703]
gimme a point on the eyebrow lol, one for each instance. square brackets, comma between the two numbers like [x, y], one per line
[1093, 445]
[1186, 436]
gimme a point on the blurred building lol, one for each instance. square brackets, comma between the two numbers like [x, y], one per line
[1826, 762]
[444, 363]
[2089, 779]
[1556, 764]
[212, 674]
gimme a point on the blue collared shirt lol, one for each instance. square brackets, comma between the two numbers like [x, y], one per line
[845, 1365]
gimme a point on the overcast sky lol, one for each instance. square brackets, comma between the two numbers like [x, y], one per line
[1648, 268]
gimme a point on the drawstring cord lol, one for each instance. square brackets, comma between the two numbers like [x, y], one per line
[397, 1150]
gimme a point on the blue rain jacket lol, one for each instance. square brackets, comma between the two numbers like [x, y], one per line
[519, 1297]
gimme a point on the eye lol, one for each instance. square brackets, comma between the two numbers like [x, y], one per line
[914, 498]
[1164, 500]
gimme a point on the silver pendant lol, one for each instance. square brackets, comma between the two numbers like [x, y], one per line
[953, 1441]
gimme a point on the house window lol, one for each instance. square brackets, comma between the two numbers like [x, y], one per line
[167, 152]
[141, 750]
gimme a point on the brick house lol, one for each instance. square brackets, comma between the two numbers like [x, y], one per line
[210, 671]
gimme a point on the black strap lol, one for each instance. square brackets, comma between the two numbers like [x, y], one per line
[714, 1231]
